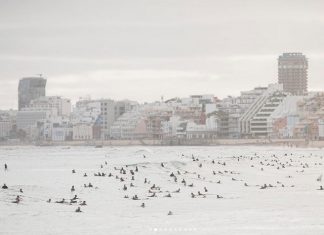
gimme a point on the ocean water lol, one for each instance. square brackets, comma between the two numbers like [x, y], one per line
[293, 205]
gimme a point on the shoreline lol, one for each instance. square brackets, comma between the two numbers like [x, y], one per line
[151, 142]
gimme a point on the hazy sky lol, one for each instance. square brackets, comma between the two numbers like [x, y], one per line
[142, 49]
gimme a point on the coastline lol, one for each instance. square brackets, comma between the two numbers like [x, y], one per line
[153, 142]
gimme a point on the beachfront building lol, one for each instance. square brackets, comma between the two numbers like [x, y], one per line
[254, 108]
[321, 129]
[61, 105]
[82, 131]
[311, 112]
[110, 111]
[283, 127]
[130, 125]
[261, 122]
[175, 128]
[199, 131]
[232, 109]
[62, 132]
[279, 105]
[101, 114]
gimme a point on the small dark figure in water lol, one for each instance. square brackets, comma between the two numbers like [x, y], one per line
[193, 195]
[143, 205]
[62, 201]
[218, 196]
[162, 164]
[85, 175]
[4, 186]
[17, 200]
[6, 166]
[83, 203]
[264, 186]
[78, 209]
[168, 195]
[73, 171]
[136, 169]
[170, 213]
[205, 189]
[125, 187]
[135, 197]
[20, 190]
[72, 189]
[72, 201]
[90, 185]
[321, 188]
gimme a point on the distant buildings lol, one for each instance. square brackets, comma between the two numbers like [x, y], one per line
[7, 121]
[30, 88]
[100, 115]
[292, 73]
[130, 125]
[253, 109]
[61, 106]
[283, 110]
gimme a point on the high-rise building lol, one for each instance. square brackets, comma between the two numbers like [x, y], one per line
[292, 73]
[30, 88]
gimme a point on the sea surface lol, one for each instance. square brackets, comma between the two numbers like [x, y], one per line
[232, 198]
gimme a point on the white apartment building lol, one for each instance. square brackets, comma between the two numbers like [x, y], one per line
[82, 131]
[125, 126]
[261, 96]
[276, 106]
[61, 105]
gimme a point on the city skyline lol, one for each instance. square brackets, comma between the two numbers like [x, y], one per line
[144, 51]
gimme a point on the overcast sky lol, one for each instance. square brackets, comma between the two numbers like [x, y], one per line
[143, 49]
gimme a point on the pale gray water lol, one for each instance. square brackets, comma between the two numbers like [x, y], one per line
[45, 172]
